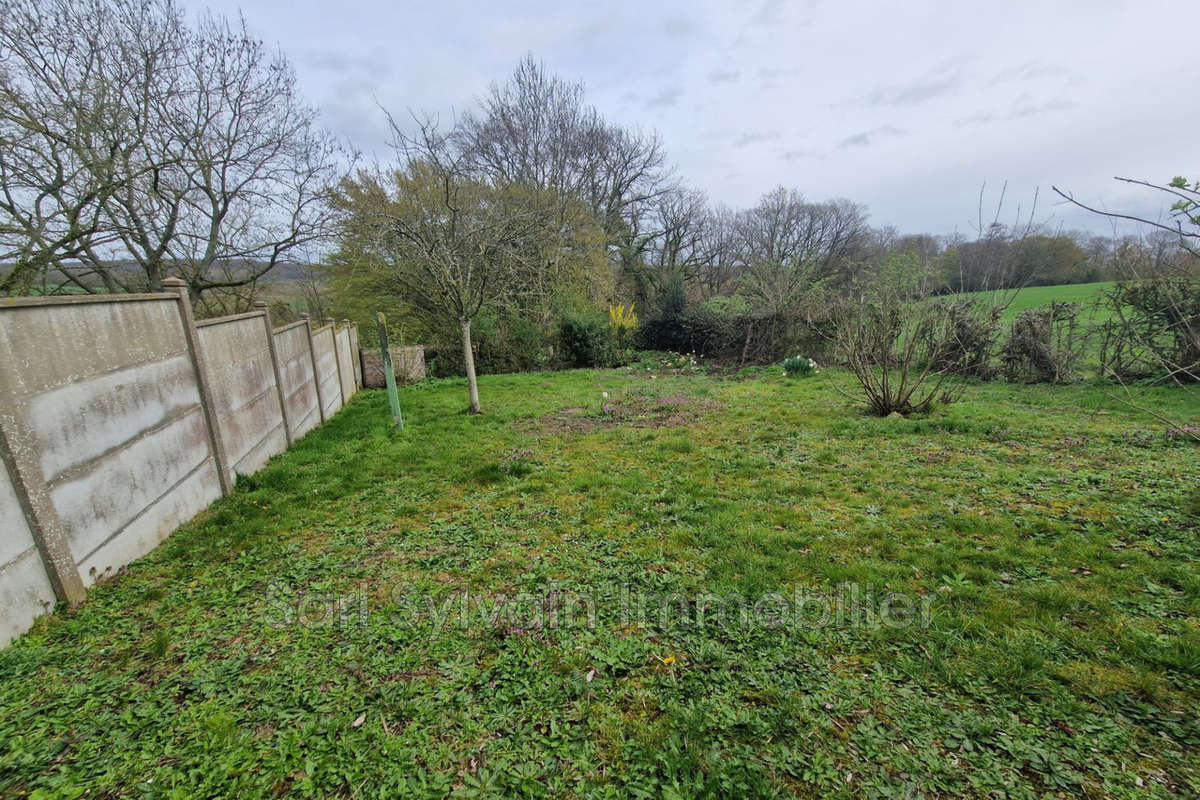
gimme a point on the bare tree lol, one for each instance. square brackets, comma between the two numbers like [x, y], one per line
[190, 150]
[674, 246]
[77, 84]
[246, 186]
[537, 130]
[788, 245]
[718, 274]
[893, 339]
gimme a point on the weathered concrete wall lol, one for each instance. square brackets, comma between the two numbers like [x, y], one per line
[292, 345]
[345, 361]
[25, 590]
[106, 396]
[408, 363]
[327, 370]
[116, 416]
[237, 356]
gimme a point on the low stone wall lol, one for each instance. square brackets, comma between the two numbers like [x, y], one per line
[408, 363]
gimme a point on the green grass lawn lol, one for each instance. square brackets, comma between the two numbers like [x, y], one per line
[1036, 296]
[305, 636]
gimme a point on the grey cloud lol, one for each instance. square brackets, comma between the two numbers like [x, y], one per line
[748, 66]
[373, 63]
[325, 59]
[980, 118]
[667, 97]
[768, 77]
[935, 82]
[678, 27]
[768, 13]
[1029, 71]
[757, 137]
[723, 76]
[867, 138]
[1026, 107]
[913, 93]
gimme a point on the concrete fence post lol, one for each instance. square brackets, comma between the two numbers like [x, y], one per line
[355, 357]
[179, 287]
[49, 532]
[350, 349]
[283, 409]
[337, 357]
[312, 355]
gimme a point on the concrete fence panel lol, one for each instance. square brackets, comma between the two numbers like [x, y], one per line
[293, 346]
[25, 590]
[237, 357]
[102, 401]
[328, 377]
[121, 418]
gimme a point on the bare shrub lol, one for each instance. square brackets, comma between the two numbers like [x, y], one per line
[1154, 331]
[1044, 344]
[972, 332]
[894, 340]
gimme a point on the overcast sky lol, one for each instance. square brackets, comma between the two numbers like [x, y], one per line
[908, 107]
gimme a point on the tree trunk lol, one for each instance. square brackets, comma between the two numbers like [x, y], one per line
[469, 360]
[746, 345]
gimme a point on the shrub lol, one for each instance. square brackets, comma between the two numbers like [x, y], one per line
[502, 343]
[586, 341]
[766, 339]
[799, 367]
[624, 322]
[972, 331]
[1044, 344]
[697, 331]
[892, 337]
[1154, 329]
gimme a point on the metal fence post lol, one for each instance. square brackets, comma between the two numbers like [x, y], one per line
[389, 376]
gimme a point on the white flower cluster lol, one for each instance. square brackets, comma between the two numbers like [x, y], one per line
[813, 365]
[800, 364]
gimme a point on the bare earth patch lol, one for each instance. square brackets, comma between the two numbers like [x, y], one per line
[632, 410]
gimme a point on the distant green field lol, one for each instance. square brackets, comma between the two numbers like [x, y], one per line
[1035, 296]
